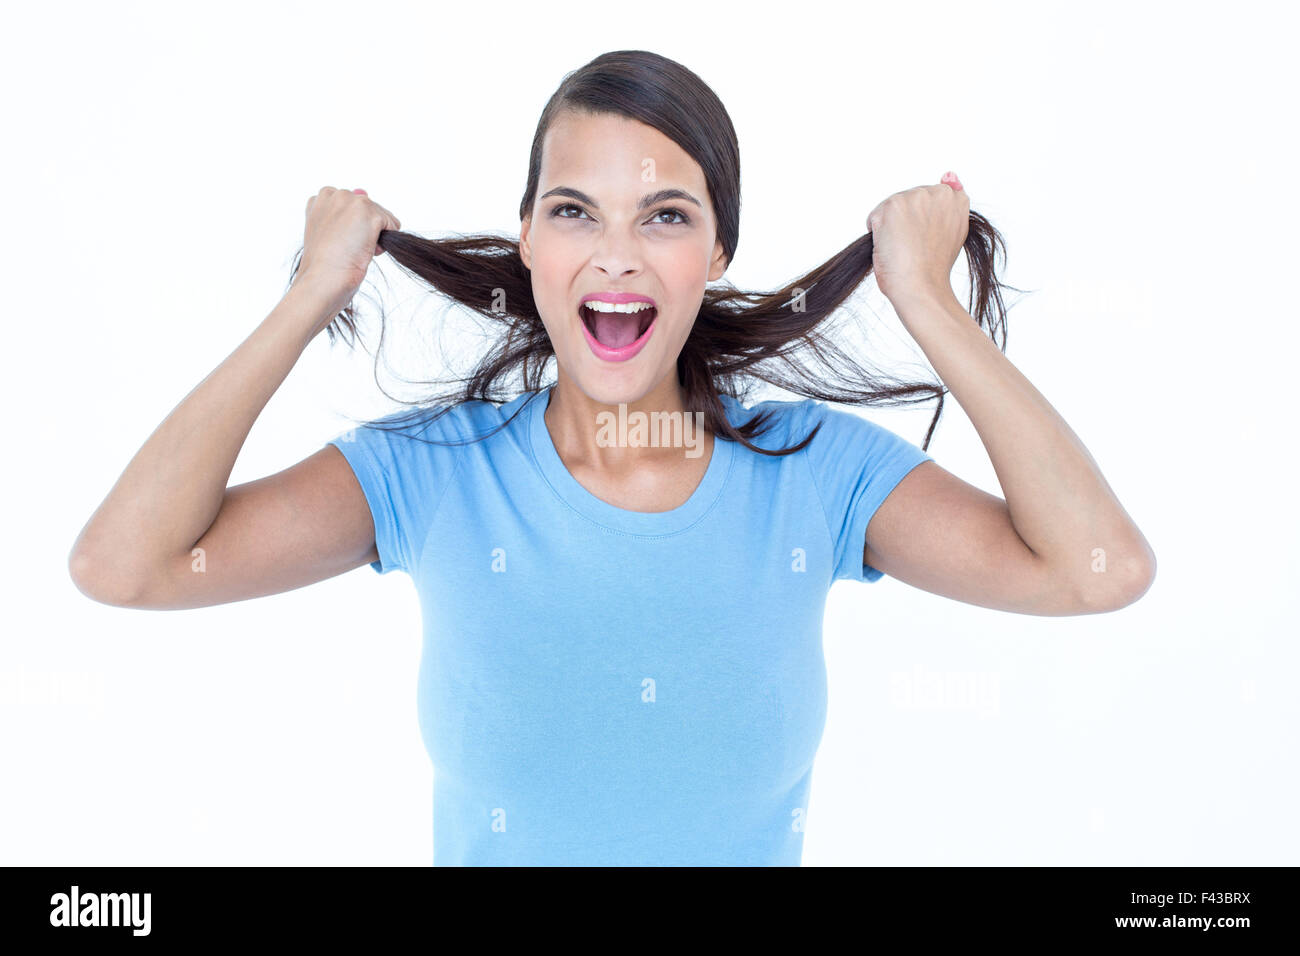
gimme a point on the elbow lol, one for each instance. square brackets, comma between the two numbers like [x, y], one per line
[90, 578]
[1139, 581]
[1141, 571]
[1145, 576]
[1112, 588]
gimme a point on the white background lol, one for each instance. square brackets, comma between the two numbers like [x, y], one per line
[1138, 158]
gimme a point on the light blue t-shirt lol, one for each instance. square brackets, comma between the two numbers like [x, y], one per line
[601, 686]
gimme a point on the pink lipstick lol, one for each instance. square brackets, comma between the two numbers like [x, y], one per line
[617, 336]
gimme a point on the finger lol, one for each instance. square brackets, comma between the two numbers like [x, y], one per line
[397, 223]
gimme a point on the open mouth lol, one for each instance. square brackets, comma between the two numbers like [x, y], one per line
[616, 330]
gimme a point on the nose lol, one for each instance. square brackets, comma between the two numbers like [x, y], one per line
[616, 256]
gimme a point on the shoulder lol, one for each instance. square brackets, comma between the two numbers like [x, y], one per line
[835, 432]
[784, 424]
[454, 422]
[780, 423]
[844, 424]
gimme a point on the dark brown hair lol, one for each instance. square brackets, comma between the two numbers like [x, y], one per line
[738, 338]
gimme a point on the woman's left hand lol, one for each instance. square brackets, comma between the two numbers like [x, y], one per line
[916, 235]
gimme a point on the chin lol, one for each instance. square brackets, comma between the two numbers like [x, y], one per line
[614, 386]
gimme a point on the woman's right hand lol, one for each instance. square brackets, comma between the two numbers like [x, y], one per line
[340, 239]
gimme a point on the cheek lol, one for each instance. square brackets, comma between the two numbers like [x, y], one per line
[553, 319]
[682, 266]
[551, 280]
[683, 275]
[556, 266]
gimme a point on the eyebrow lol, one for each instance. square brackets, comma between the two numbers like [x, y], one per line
[649, 199]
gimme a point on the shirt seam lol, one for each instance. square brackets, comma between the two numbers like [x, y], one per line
[826, 521]
[433, 515]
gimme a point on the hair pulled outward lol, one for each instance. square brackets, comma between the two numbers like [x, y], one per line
[739, 338]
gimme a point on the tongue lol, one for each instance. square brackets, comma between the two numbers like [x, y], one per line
[615, 330]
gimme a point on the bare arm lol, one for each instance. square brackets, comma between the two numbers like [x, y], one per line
[170, 534]
[301, 525]
[1061, 543]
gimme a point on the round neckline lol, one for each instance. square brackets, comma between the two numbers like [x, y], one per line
[572, 493]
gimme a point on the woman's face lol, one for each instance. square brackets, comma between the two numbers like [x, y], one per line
[590, 233]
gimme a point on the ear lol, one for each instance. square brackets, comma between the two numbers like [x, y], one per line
[719, 264]
[525, 248]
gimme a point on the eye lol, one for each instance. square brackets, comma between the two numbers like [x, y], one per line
[685, 219]
[557, 212]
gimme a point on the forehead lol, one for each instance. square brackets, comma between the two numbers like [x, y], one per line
[614, 155]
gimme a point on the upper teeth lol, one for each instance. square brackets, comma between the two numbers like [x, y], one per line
[597, 305]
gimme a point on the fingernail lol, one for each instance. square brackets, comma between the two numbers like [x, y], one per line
[361, 191]
[951, 179]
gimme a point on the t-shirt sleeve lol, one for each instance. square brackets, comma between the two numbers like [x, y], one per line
[855, 464]
[403, 477]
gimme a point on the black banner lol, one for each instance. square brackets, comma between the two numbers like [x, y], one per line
[914, 906]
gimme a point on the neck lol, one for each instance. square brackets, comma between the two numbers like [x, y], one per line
[603, 436]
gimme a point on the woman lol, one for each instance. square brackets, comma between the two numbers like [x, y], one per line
[623, 576]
